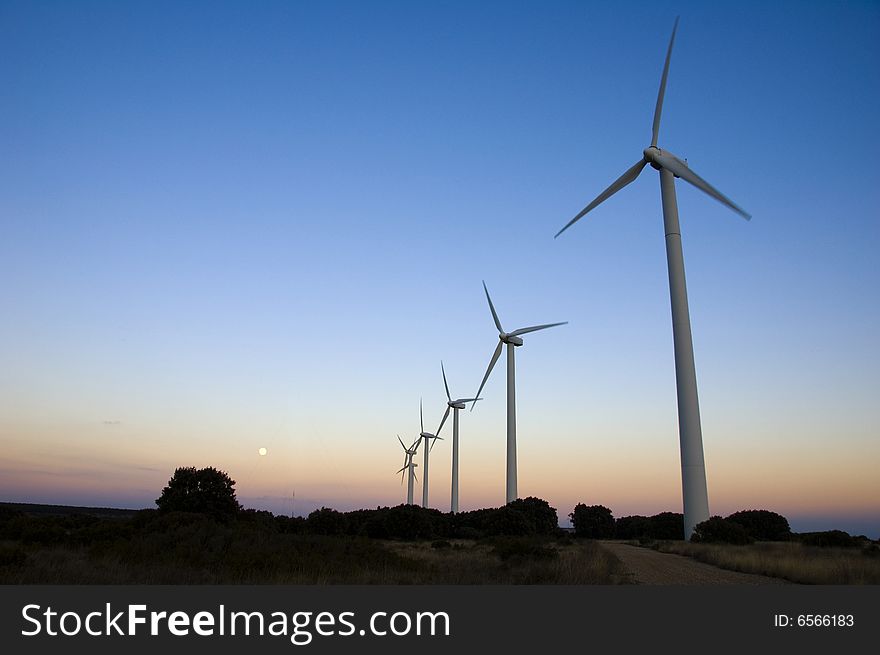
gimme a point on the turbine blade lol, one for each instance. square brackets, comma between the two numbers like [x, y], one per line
[492, 307]
[659, 108]
[466, 400]
[535, 328]
[401, 442]
[421, 416]
[494, 359]
[631, 173]
[680, 170]
[448, 397]
[443, 420]
[402, 469]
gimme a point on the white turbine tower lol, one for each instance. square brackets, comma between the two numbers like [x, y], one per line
[693, 471]
[455, 406]
[427, 436]
[513, 340]
[408, 467]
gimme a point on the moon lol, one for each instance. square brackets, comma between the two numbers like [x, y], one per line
[262, 452]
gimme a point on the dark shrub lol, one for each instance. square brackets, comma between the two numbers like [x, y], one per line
[631, 527]
[592, 522]
[410, 522]
[202, 491]
[508, 521]
[290, 524]
[326, 521]
[441, 544]
[828, 539]
[666, 525]
[763, 525]
[542, 518]
[718, 530]
[467, 532]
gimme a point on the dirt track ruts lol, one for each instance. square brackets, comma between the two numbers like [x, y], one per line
[651, 567]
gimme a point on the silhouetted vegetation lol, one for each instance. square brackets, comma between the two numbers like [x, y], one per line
[202, 491]
[665, 525]
[762, 524]
[593, 522]
[214, 541]
[717, 530]
[519, 543]
[831, 539]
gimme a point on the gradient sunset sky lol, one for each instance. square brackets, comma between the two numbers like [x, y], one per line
[228, 226]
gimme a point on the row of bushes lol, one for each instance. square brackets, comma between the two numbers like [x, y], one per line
[523, 517]
[744, 527]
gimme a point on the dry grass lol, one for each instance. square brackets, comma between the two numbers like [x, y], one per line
[302, 559]
[470, 562]
[788, 560]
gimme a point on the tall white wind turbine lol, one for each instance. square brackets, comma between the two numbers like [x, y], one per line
[693, 470]
[455, 406]
[513, 340]
[428, 437]
[408, 467]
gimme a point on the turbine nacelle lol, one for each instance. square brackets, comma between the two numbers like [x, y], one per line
[456, 404]
[656, 156]
[511, 339]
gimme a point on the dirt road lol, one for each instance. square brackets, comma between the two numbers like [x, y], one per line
[653, 568]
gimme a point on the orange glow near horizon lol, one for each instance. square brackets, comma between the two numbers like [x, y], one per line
[117, 468]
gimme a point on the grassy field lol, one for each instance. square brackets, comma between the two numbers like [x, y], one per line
[180, 548]
[304, 559]
[788, 560]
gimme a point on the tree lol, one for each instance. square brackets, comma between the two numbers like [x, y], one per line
[541, 517]
[593, 522]
[326, 521]
[718, 530]
[203, 491]
[762, 524]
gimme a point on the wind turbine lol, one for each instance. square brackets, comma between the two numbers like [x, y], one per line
[408, 467]
[454, 405]
[427, 436]
[512, 339]
[693, 470]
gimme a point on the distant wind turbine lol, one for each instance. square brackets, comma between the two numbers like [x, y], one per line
[454, 405]
[512, 339]
[693, 470]
[427, 436]
[408, 467]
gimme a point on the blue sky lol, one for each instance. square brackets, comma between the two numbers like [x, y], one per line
[234, 225]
